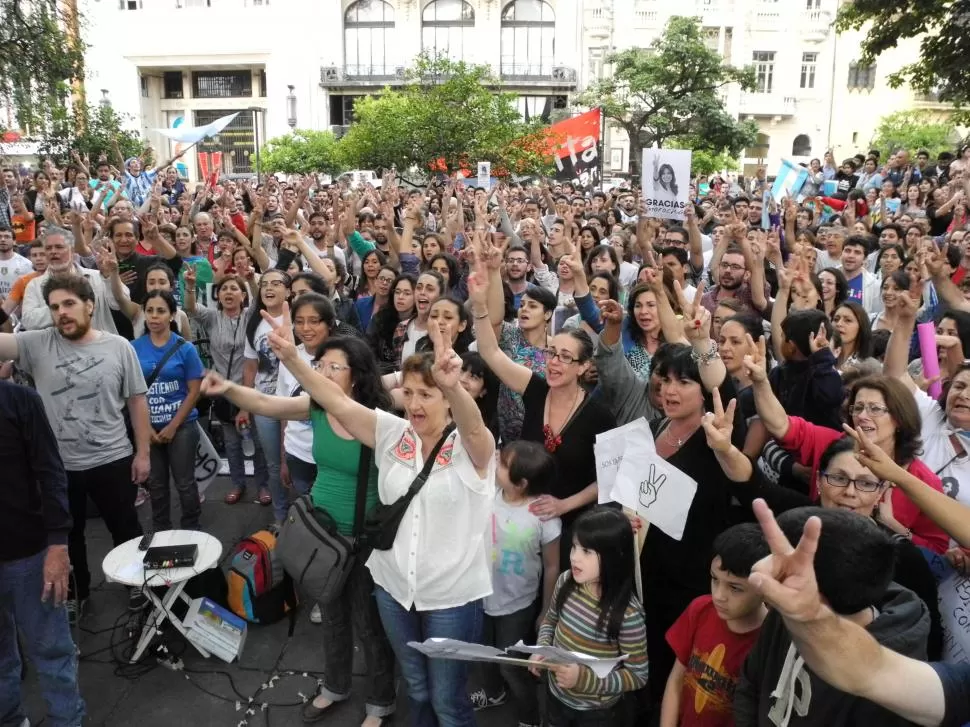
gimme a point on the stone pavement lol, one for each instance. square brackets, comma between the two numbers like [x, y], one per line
[162, 698]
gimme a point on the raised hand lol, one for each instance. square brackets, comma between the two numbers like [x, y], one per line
[786, 578]
[447, 364]
[611, 312]
[756, 360]
[214, 384]
[719, 425]
[874, 457]
[820, 340]
[281, 337]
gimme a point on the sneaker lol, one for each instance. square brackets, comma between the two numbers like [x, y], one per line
[315, 616]
[75, 610]
[137, 600]
[142, 497]
[480, 699]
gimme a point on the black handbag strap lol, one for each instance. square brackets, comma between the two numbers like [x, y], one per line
[158, 367]
[363, 476]
[428, 464]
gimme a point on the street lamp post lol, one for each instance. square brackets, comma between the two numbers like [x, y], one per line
[291, 108]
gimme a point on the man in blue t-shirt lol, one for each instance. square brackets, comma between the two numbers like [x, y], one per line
[863, 285]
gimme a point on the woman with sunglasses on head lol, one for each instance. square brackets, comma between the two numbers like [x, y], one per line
[349, 367]
[557, 410]
[879, 406]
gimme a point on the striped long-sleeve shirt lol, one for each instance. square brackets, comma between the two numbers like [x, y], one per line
[574, 628]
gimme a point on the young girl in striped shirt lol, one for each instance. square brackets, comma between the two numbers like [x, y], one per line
[594, 611]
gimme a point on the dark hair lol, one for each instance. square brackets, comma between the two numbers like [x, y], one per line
[592, 231]
[611, 283]
[634, 330]
[385, 321]
[529, 463]
[598, 252]
[880, 342]
[739, 548]
[165, 269]
[546, 298]
[473, 363]
[368, 389]
[584, 341]
[855, 557]
[800, 326]
[902, 408]
[900, 233]
[77, 285]
[434, 274]
[962, 321]
[863, 340]
[680, 364]
[677, 252]
[464, 338]
[316, 283]
[607, 532]
[454, 271]
[953, 255]
[321, 305]
[902, 258]
[255, 318]
[169, 302]
[841, 285]
[837, 447]
[863, 241]
[231, 279]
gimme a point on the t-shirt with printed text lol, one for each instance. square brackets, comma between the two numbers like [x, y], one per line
[170, 387]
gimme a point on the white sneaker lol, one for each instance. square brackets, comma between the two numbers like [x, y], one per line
[315, 616]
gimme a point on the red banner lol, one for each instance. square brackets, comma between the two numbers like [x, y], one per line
[574, 143]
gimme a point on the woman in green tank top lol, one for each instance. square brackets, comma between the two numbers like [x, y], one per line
[350, 364]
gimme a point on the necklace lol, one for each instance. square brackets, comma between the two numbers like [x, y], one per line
[679, 441]
[551, 439]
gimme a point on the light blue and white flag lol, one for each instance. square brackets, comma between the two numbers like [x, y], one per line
[789, 180]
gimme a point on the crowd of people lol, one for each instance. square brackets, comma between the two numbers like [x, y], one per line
[337, 335]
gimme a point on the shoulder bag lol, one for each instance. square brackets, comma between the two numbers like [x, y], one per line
[383, 521]
[161, 362]
[312, 550]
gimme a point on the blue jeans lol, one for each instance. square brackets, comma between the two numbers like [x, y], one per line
[237, 462]
[268, 433]
[302, 474]
[47, 643]
[437, 688]
[175, 460]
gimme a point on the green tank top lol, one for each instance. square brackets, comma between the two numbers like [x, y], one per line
[335, 487]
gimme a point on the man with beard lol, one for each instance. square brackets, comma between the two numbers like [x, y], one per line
[626, 210]
[104, 184]
[327, 247]
[60, 264]
[9, 188]
[86, 378]
[12, 265]
[739, 276]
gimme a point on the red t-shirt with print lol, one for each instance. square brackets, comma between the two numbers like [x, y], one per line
[712, 655]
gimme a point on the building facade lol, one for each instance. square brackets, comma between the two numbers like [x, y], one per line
[172, 62]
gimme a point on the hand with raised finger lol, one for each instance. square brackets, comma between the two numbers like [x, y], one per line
[756, 360]
[871, 455]
[719, 424]
[447, 364]
[820, 340]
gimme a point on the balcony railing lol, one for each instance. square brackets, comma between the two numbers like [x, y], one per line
[767, 104]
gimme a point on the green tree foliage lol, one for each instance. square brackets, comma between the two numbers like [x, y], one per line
[910, 130]
[301, 152]
[671, 90]
[92, 137]
[942, 26]
[447, 116]
[706, 162]
[37, 62]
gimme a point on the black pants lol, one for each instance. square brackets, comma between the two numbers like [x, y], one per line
[111, 489]
[559, 715]
[662, 607]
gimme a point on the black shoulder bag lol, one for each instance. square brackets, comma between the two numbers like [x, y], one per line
[312, 550]
[161, 363]
[383, 521]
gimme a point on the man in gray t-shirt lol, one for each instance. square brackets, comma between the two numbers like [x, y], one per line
[86, 378]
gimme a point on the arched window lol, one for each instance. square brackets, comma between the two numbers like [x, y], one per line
[368, 34]
[802, 146]
[447, 28]
[528, 38]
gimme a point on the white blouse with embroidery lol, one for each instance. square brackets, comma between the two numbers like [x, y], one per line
[439, 559]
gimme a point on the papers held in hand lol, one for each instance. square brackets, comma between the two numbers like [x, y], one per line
[464, 651]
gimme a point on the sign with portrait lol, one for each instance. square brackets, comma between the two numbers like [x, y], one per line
[665, 181]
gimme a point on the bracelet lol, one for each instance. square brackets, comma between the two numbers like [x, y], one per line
[705, 358]
[483, 315]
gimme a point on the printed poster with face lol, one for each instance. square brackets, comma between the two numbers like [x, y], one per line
[665, 181]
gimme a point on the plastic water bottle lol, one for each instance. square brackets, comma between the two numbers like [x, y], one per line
[248, 445]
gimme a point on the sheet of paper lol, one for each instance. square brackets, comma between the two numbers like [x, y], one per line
[454, 649]
[609, 449]
[600, 667]
[659, 492]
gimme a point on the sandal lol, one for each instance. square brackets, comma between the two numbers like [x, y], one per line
[234, 495]
[264, 498]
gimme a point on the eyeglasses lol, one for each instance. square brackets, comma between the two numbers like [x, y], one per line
[308, 321]
[332, 367]
[272, 284]
[382, 279]
[860, 485]
[565, 356]
[733, 267]
[873, 410]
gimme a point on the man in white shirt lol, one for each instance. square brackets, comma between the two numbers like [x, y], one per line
[12, 265]
[326, 247]
[60, 263]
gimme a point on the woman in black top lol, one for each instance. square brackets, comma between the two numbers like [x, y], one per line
[558, 411]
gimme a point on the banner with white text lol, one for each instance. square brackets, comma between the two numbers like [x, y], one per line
[665, 181]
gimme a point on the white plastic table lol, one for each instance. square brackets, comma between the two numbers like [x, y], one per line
[125, 565]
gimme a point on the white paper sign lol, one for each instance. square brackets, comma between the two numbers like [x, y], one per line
[454, 649]
[484, 174]
[659, 492]
[954, 595]
[207, 462]
[665, 181]
[600, 667]
[609, 449]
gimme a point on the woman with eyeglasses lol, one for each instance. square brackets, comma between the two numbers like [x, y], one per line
[369, 306]
[350, 365]
[558, 412]
[879, 406]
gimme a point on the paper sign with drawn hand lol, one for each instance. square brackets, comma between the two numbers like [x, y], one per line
[609, 451]
[659, 492]
[650, 487]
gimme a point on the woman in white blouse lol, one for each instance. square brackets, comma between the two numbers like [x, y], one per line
[432, 582]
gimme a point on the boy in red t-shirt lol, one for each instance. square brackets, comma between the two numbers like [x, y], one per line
[714, 635]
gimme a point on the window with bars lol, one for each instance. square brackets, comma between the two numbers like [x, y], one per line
[809, 63]
[764, 68]
[222, 84]
[861, 77]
